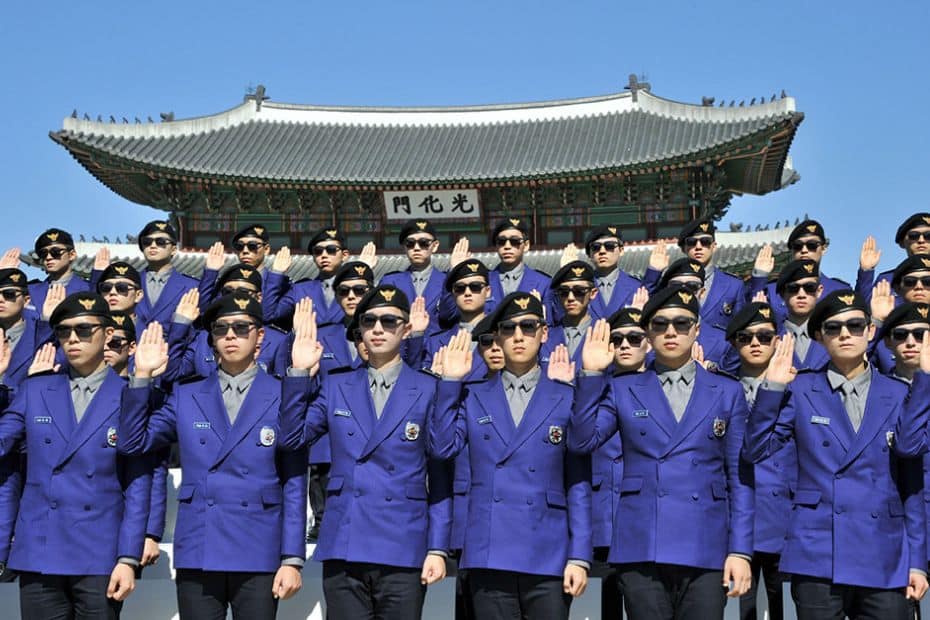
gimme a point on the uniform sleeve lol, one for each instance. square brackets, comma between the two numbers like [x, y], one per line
[910, 486]
[292, 468]
[439, 498]
[447, 311]
[594, 417]
[275, 284]
[578, 497]
[136, 479]
[448, 430]
[11, 486]
[911, 428]
[740, 481]
[771, 424]
[180, 351]
[207, 288]
[865, 280]
[140, 432]
[158, 503]
[13, 422]
[303, 411]
[651, 279]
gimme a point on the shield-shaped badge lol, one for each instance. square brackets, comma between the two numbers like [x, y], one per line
[727, 309]
[111, 436]
[720, 427]
[556, 434]
[266, 436]
[889, 438]
[411, 431]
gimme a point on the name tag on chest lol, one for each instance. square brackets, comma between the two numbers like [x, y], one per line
[42, 419]
[819, 419]
[202, 426]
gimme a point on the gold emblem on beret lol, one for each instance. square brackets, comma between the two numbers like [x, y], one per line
[846, 299]
[636, 316]
[52, 236]
[925, 261]
[245, 272]
[577, 271]
[515, 221]
[121, 269]
[685, 297]
[387, 295]
[332, 233]
[118, 319]
[612, 230]
[704, 226]
[421, 225]
[243, 303]
[87, 303]
[766, 312]
[923, 311]
[161, 225]
[259, 229]
[925, 219]
[360, 270]
[473, 267]
[522, 302]
[809, 268]
[15, 277]
[695, 267]
[812, 228]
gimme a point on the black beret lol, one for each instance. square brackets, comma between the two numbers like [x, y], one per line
[682, 267]
[750, 314]
[625, 317]
[806, 229]
[123, 321]
[797, 270]
[120, 269]
[13, 277]
[905, 313]
[84, 303]
[240, 273]
[575, 270]
[703, 226]
[354, 270]
[233, 303]
[158, 226]
[835, 303]
[911, 264]
[255, 230]
[601, 232]
[918, 219]
[482, 327]
[467, 268]
[327, 234]
[52, 236]
[673, 296]
[510, 222]
[415, 226]
[515, 304]
[383, 296]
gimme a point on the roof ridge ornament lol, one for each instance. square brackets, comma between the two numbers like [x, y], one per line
[257, 94]
[635, 86]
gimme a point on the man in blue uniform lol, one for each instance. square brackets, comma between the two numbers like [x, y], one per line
[121, 285]
[251, 246]
[913, 236]
[615, 287]
[55, 249]
[799, 287]
[420, 279]
[574, 290]
[237, 488]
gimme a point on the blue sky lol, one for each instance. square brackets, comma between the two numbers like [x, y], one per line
[857, 71]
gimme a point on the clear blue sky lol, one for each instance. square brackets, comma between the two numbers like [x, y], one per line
[857, 70]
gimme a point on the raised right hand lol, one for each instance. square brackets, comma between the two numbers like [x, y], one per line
[151, 351]
[597, 353]
[781, 366]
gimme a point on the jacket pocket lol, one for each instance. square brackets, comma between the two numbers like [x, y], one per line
[806, 497]
[718, 490]
[460, 487]
[556, 499]
[186, 492]
[415, 490]
[632, 484]
[334, 484]
[272, 495]
[895, 508]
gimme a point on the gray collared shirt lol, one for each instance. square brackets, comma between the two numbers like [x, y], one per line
[751, 387]
[15, 333]
[607, 283]
[382, 381]
[420, 279]
[677, 386]
[854, 392]
[235, 388]
[63, 280]
[519, 391]
[328, 293]
[84, 388]
[802, 341]
[573, 335]
[510, 280]
[155, 283]
[709, 271]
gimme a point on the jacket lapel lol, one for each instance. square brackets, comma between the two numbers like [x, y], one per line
[403, 398]
[713, 298]
[491, 398]
[210, 402]
[649, 395]
[103, 405]
[23, 353]
[172, 291]
[542, 403]
[828, 404]
[254, 407]
[703, 399]
[57, 398]
[357, 392]
[879, 405]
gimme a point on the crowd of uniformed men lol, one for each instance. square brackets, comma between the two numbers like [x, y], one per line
[684, 437]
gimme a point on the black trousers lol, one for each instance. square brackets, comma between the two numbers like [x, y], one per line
[206, 595]
[819, 599]
[463, 607]
[499, 594]
[611, 596]
[360, 591]
[318, 477]
[766, 566]
[66, 597]
[667, 592]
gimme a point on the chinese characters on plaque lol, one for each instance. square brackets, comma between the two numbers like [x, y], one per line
[432, 205]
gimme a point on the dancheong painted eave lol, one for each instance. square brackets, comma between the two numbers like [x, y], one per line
[265, 142]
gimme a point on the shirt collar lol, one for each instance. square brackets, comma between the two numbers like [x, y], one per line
[580, 328]
[688, 371]
[611, 277]
[528, 380]
[160, 276]
[423, 274]
[14, 333]
[388, 374]
[92, 381]
[516, 273]
[860, 382]
[797, 330]
[63, 280]
[239, 382]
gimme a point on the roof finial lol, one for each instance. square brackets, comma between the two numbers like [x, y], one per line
[166, 117]
[635, 86]
[707, 101]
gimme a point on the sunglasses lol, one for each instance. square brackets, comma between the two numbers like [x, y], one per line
[792, 288]
[634, 338]
[514, 241]
[161, 242]
[485, 340]
[240, 329]
[705, 241]
[121, 288]
[691, 286]
[423, 244]
[475, 287]
[527, 327]
[856, 327]
[332, 250]
[610, 246]
[577, 291]
[911, 281]
[811, 246]
[682, 324]
[252, 246]
[764, 336]
[900, 334]
[918, 235]
[11, 294]
[84, 331]
[229, 289]
[358, 290]
[116, 343]
[389, 322]
[55, 253]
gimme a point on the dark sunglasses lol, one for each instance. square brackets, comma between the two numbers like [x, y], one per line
[55, 253]
[485, 340]
[475, 287]
[764, 336]
[911, 281]
[343, 290]
[577, 291]
[229, 289]
[389, 322]
[240, 329]
[423, 244]
[811, 246]
[682, 324]
[161, 242]
[705, 241]
[918, 235]
[692, 286]
[121, 288]
[83, 330]
[527, 327]
[792, 288]
[610, 246]
[332, 250]
[10, 294]
[514, 241]
[116, 343]
[856, 327]
[634, 338]
[900, 334]
[252, 246]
